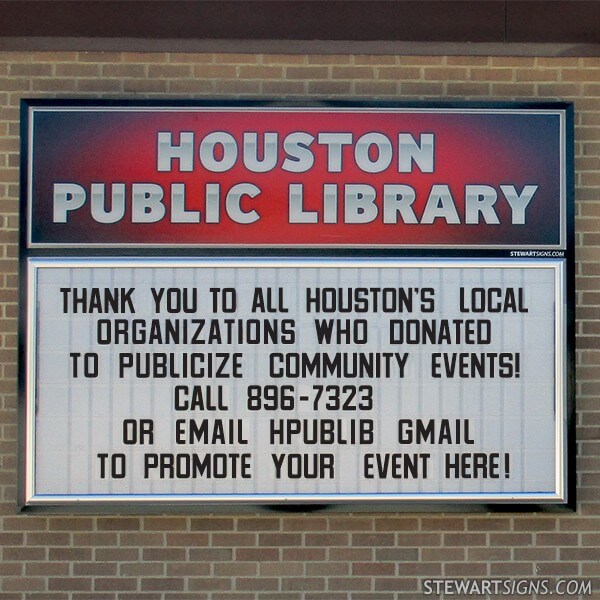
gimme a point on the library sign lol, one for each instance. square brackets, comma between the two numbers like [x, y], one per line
[356, 305]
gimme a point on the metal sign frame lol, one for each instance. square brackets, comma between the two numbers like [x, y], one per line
[35, 256]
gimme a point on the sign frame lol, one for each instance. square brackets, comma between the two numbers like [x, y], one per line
[33, 254]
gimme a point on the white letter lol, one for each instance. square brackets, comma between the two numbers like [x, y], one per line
[233, 203]
[213, 208]
[300, 158]
[409, 150]
[167, 151]
[147, 206]
[99, 212]
[480, 199]
[334, 143]
[269, 161]
[330, 207]
[67, 197]
[207, 152]
[178, 212]
[518, 203]
[440, 204]
[398, 198]
[359, 203]
[296, 210]
[384, 153]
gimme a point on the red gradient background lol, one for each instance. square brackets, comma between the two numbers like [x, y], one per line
[119, 145]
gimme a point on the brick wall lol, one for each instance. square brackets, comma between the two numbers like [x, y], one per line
[297, 556]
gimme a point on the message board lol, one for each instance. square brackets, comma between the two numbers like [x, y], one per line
[400, 333]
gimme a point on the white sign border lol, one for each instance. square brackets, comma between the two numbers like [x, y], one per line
[561, 113]
[31, 498]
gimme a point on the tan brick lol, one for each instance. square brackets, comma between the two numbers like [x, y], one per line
[374, 568]
[23, 553]
[430, 88]
[304, 524]
[465, 569]
[258, 554]
[307, 72]
[77, 70]
[69, 584]
[212, 554]
[145, 57]
[281, 569]
[536, 75]
[258, 524]
[260, 72]
[170, 71]
[421, 60]
[23, 584]
[236, 569]
[446, 555]
[352, 72]
[101, 57]
[139, 569]
[536, 554]
[145, 86]
[303, 583]
[94, 568]
[469, 61]
[445, 73]
[30, 70]
[304, 554]
[328, 59]
[161, 584]
[516, 90]
[557, 569]
[124, 70]
[350, 583]
[70, 523]
[376, 88]
[212, 524]
[489, 524]
[257, 585]
[284, 59]
[442, 524]
[238, 87]
[118, 524]
[327, 568]
[397, 554]
[277, 556]
[187, 539]
[399, 73]
[160, 554]
[238, 58]
[468, 89]
[512, 569]
[394, 523]
[233, 539]
[102, 584]
[280, 539]
[191, 86]
[394, 584]
[490, 554]
[373, 59]
[489, 74]
[510, 539]
[70, 554]
[119, 554]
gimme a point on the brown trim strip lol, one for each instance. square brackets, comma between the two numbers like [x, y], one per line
[381, 26]
[295, 47]
[359, 20]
